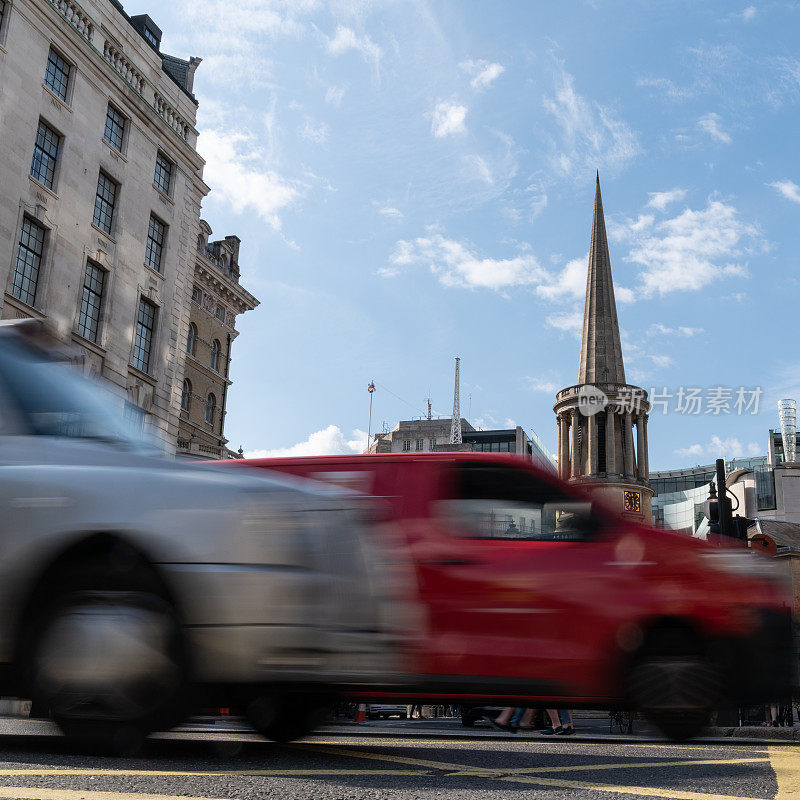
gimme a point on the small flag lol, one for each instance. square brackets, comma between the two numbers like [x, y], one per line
[371, 387]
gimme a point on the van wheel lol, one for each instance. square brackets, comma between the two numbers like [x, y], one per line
[286, 719]
[109, 666]
[675, 685]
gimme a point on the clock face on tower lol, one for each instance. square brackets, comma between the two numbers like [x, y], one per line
[633, 501]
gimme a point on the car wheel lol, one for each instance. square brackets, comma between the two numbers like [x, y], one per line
[404, 716]
[286, 719]
[675, 685]
[109, 666]
[467, 721]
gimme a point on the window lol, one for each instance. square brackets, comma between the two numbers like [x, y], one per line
[211, 408]
[104, 203]
[45, 155]
[490, 502]
[220, 313]
[2, 13]
[29, 261]
[431, 444]
[115, 128]
[155, 243]
[186, 396]
[93, 284]
[191, 339]
[197, 296]
[163, 176]
[152, 39]
[215, 350]
[420, 445]
[56, 76]
[407, 446]
[143, 343]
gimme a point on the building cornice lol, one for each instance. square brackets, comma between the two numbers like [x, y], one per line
[233, 291]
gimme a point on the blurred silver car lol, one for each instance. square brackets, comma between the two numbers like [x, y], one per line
[134, 587]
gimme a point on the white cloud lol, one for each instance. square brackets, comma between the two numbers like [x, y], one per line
[476, 168]
[390, 212]
[748, 13]
[334, 95]
[483, 72]
[660, 200]
[448, 119]
[346, 39]
[569, 321]
[316, 132]
[329, 441]
[590, 135]
[456, 264]
[658, 328]
[788, 189]
[727, 448]
[236, 171]
[570, 282]
[661, 360]
[710, 123]
[693, 249]
[539, 385]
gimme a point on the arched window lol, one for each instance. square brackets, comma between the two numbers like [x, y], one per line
[201, 243]
[186, 396]
[215, 350]
[191, 339]
[211, 407]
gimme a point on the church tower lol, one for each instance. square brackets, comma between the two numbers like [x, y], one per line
[597, 446]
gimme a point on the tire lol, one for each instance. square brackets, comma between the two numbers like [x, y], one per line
[467, 721]
[675, 684]
[103, 649]
[286, 719]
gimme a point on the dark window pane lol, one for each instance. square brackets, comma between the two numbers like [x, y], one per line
[163, 177]
[104, 202]
[2, 13]
[45, 155]
[56, 76]
[145, 325]
[93, 284]
[115, 128]
[151, 37]
[155, 244]
[29, 261]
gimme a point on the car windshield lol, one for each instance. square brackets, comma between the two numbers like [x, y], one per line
[55, 400]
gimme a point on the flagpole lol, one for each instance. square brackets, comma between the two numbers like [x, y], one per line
[369, 427]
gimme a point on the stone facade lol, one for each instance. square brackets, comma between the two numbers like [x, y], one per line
[101, 193]
[596, 418]
[217, 299]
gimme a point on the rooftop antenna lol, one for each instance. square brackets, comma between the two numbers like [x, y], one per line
[787, 413]
[430, 413]
[455, 425]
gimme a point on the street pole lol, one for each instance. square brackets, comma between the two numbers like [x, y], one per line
[724, 504]
[371, 390]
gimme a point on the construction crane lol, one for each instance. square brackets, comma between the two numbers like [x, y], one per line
[455, 426]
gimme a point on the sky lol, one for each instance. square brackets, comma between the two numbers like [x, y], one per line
[413, 181]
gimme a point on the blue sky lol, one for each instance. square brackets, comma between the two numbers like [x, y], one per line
[414, 180]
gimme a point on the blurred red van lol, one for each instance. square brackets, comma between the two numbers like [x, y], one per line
[531, 593]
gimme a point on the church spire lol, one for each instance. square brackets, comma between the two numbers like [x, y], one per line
[601, 349]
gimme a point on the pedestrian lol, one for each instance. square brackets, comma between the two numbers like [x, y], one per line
[560, 723]
[503, 720]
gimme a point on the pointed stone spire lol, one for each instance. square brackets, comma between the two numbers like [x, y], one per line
[601, 349]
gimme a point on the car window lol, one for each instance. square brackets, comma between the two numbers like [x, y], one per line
[497, 502]
[53, 400]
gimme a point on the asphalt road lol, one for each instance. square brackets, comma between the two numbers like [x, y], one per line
[393, 760]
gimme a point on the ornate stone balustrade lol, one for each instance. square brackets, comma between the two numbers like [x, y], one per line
[124, 67]
[75, 16]
[171, 117]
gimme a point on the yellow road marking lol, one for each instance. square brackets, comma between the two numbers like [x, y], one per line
[641, 791]
[786, 764]
[27, 793]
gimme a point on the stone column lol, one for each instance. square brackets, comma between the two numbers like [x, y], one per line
[630, 461]
[563, 445]
[611, 455]
[646, 449]
[591, 440]
[640, 446]
[576, 448]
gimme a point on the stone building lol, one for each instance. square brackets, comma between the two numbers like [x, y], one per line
[433, 435]
[596, 417]
[101, 192]
[217, 299]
